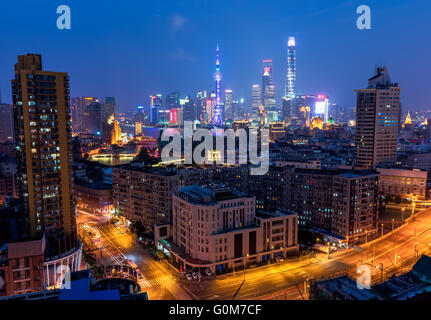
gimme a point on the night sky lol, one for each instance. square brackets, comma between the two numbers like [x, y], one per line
[131, 49]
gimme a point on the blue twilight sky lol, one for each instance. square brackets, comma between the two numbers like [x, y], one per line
[133, 48]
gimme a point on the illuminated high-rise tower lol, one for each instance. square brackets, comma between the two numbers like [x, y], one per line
[378, 110]
[256, 99]
[44, 151]
[228, 105]
[268, 88]
[289, 91]
[218, 112]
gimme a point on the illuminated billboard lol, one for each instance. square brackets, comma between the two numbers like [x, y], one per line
[321, 107]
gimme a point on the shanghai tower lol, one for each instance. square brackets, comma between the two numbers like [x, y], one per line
[289, 91]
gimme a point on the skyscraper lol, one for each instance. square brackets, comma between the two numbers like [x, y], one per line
[107, 109]
[173, 100]
[228, 105]
[95, 123]
[6, 118]
[256, 99]
[156, 100]
[268, 88]
[201, 97]
[289, 91]
[378, 111]
[44, 151]
[80, 119]
[189, 109]
[218, 112]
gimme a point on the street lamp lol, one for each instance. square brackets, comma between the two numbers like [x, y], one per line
[413, 208]
[393, 224]
[244, 264]
[328, 249]
[366, 236]
[402, 214]
[382, 229]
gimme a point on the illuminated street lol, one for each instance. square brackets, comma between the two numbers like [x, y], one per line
[284, 280]
[159, 279]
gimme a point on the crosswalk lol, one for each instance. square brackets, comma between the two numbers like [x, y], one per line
[159, 281]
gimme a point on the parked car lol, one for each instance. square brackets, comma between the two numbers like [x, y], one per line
[195, 275]
[189, 276]
[208, 272]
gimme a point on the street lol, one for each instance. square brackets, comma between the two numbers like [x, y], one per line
[284, 280]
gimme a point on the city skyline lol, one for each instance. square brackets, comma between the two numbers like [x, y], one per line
[183, 52]
[212, 150]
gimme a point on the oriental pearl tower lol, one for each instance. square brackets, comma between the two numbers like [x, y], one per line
[217, 119]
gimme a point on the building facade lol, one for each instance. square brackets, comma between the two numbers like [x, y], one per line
[404, 183]
[6, 129]
[144, 194]
[378, 111]
[218, 228]
[339, 202]
[44, 150]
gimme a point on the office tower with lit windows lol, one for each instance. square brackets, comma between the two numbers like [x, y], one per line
[256, 99]
[378, 111]
[189, 109]
[268, 88]
[156, 100]
[239, 109]
[201, 97]
[44, 150]
[173, 100]
[108, 109]
[289, 91]
[80, 116]
[228, 105]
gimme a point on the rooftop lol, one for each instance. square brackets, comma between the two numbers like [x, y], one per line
[161, 171]
[209, 195]
[277, 214]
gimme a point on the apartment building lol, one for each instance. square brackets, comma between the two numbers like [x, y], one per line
[144, 194]
[218, 228]
[402, 182]
[343, 203]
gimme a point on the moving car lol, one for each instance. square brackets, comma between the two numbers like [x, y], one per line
[188, 276]
[195, 275]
